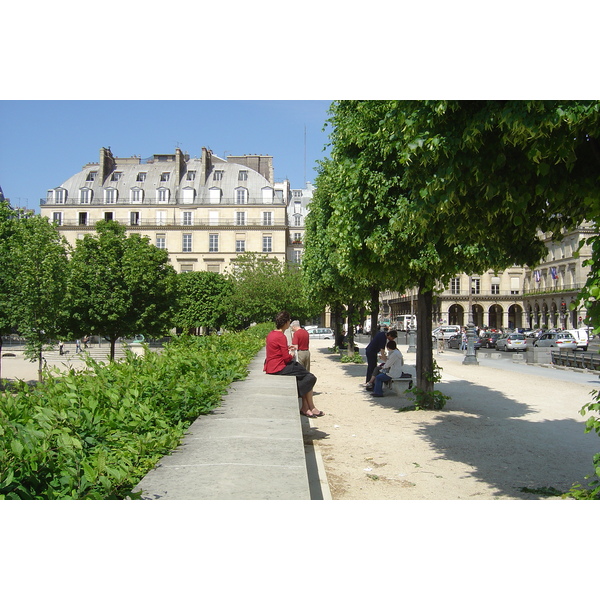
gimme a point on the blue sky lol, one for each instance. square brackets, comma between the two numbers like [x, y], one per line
[44, 142]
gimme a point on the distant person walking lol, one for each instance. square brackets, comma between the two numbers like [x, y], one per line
[301, 339]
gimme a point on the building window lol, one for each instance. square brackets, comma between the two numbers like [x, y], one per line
[267, 195]
[240, 245]
[161, 217]
[297, 193]
[475, 285]
[455, 285]
[116, 176]
[213, 242]
[186, 218]
[187, 268]
[161, 240]
[213, 268]
[297, 256]
[218, 175]
[297, 238]
[85, 195]
[241, 196]
[191, 175]
[188, 195]
[162, 194]
[267, 245]
[213, 217]
[240, 218]
[83, 218]
[164, 176]
[297, 220]
[267, 218]
[108, 216]
[515, 285]
[243, 176]
[186, 246]
[91, 176]
[134, 218]
[110, 196]
[141, 176]
[136, 195]
[60, 196]
[495, 285]
[57, 218]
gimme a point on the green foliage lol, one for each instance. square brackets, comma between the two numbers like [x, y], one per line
[262, 287]
[592, 490]
[201, 299]
[356, 359]
[119, 286]
[430, 400]
[94, 434]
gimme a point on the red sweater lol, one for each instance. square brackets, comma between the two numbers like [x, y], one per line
[300, 339]
[278, 354]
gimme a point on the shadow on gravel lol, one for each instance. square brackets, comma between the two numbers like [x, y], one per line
[505, 443]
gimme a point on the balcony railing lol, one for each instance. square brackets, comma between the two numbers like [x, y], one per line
[176, 222]
[154, 201]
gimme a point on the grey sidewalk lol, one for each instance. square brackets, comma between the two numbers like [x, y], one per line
[250, 448]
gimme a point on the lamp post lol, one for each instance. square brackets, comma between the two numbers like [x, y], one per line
[470, 358]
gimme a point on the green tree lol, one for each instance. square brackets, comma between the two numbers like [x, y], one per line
[263, 286]
[201, 298]
[40, 268]
[120, 286]
[422, 191]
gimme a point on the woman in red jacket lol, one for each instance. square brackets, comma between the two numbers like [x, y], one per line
[279, 361]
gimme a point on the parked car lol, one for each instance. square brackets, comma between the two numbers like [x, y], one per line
[511, 341]
[557, 339]
[489, 341]
[446, 331]
[320, 333]
[581, 337]
[456, 340]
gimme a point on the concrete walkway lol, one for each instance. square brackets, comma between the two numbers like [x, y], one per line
[250, 448]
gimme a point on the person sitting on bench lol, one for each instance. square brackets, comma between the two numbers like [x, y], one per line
[392, 369]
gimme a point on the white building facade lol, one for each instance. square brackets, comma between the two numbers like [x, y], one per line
[205, 211]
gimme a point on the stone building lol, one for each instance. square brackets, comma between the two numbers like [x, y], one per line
[538, 297]
[205, 211]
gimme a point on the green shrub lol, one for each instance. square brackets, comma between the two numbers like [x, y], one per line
[95, 434]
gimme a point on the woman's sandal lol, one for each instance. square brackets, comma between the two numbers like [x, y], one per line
[307, 415]
[319, 414]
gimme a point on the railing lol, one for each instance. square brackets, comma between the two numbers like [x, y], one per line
[147, 201]
[176, 222]
[581, 360]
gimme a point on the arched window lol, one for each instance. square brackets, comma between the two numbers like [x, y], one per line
[110, 195]
[162, 194]
[267, 195]
[215, 195]
[136, 195]
[188, 195]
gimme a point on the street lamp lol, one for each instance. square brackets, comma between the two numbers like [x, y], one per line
[470, 358]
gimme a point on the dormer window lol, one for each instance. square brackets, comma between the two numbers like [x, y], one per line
[191, 175]
[218, 175]
[91, 176]
[241, 196]
[116, 176]
[141, 176]
[243, 176]
[164, 176]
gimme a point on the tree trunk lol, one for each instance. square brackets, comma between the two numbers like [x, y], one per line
[351, 328]
[374, 310]
[424, 341]
[40, 373]
[113, 343]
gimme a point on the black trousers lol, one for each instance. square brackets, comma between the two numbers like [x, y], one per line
[305, 380]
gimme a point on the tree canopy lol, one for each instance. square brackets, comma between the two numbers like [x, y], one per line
[421, 191]
[119, 286]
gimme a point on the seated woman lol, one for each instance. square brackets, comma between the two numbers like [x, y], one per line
[279, 361]
[392, 369]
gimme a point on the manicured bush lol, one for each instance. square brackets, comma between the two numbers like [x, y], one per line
[95, 434]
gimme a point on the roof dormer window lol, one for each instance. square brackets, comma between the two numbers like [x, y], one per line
[165, 176]
[243, 176]
[218, 175]
[141, 176]
[91, 176]
[116, 176]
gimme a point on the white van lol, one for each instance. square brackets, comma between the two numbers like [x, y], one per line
[581, 336]
[446, 331]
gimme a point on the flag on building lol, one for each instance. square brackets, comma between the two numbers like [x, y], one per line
[553, 272]
[537, 276]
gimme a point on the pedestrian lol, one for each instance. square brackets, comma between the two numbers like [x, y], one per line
[300, 339]
[440, 342]
[376, 346]
[463, 345]
[86, 339]
[77, 346]
[279, 361]
[61, 348]
[391, 370]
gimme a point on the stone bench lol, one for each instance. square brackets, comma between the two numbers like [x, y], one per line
[249, 448]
